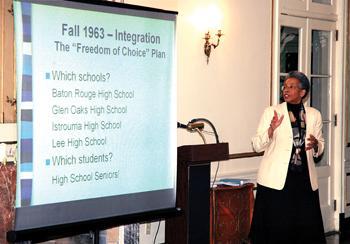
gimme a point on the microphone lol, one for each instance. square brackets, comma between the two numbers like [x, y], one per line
[195, 125]
[182, 126]
[191, 126]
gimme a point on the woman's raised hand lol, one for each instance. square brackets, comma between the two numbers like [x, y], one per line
[275, 122]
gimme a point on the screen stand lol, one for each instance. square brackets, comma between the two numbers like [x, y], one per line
[96, 235]
[53, 232]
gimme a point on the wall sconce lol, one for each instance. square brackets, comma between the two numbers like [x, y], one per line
[208, 45]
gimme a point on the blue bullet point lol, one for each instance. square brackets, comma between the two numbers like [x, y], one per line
[47, 161]
[47, 76]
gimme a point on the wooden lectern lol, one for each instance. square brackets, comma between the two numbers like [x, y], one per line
[193, 193]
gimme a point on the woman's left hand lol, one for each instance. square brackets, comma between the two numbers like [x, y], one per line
[312, 143]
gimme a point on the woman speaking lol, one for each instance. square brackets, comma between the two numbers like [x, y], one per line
[287, 208]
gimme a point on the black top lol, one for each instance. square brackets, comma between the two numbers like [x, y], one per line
[297, 131]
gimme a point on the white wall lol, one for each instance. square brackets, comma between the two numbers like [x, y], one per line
[8, 132]
[234, 88]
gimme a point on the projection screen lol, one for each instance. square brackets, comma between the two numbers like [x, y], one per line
[96, 104]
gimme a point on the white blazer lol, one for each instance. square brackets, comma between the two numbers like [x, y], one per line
[274, 164]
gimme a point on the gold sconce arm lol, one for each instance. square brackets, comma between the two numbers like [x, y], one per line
[11, 101]
[11, 10]
[208, 45]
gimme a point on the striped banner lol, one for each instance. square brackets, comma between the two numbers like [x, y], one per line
[26, 141]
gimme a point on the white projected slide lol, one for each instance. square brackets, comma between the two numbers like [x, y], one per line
[103, 103]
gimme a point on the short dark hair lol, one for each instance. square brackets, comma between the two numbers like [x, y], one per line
[304, 81]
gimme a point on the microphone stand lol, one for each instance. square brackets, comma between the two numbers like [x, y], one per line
[201, 135]
[193, 127]
[209, 123]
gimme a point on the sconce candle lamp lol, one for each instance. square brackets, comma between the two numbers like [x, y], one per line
[208, 45]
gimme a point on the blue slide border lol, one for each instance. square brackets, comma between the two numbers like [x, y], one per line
[26, 159]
